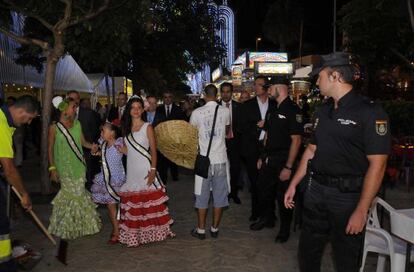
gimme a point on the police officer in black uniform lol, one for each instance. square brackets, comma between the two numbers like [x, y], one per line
[348, 153]
[284, 129]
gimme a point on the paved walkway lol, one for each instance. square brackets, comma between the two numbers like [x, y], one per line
[236, 249]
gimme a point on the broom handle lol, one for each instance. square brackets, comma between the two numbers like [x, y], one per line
[38, 222]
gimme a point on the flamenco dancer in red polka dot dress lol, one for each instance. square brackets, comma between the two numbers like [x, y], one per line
[144, 215]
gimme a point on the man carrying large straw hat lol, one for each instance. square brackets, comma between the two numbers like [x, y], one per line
[218, 176]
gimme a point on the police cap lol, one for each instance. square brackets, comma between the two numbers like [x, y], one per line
[330, 60]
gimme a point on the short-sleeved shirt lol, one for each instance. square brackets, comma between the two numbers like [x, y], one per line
[202, 119]
[345, 136]
[281, 123]
[6, 134]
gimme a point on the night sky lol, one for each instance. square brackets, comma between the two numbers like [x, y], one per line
[318, 30]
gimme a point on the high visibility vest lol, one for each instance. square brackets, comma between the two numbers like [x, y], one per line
[5, 248]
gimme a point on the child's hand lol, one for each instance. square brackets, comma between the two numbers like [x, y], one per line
[122, 149]
[151, 176]
[98, 153]
[94, 149]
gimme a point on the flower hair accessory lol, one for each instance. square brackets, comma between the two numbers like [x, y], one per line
[59, 103]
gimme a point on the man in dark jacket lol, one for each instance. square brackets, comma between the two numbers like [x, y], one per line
[166, 112]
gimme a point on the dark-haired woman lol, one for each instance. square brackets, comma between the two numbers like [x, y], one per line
[144, 216]
[107, 183]
[74, 214]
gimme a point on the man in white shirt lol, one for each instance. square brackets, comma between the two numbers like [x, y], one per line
[252, 119]
[218, 178]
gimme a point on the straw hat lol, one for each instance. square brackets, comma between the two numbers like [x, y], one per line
[178, 141]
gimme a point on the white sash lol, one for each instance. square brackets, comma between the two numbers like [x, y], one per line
[107, 174]
[144, 152]
[71, 142]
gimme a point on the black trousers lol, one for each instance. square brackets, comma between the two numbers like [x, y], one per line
[326, 213]
[233, 155]
[250, 164]
[270, 188]
[163, 165]
[6, 266]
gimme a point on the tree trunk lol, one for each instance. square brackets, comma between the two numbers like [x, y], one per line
[51, 62]
[46, 112]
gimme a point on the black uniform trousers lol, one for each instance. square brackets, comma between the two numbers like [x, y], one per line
[326, 211]
[233, 155]
[163, 165]
[271, 188]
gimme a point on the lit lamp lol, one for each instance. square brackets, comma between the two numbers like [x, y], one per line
[257, 43]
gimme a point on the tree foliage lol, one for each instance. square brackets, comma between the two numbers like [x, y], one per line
[180, 38]
[162, 39]
[378, 33]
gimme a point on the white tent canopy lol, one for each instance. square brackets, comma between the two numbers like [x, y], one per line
[99, 84]
[69, 76]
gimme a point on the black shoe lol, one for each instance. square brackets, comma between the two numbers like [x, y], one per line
[253, 218]
[214, 234]
[198, 235]
[280, 239]
[236, 200]
[257, 226]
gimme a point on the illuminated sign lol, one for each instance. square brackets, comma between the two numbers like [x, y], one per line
[237, 74]
[274, 68]
[266, 57]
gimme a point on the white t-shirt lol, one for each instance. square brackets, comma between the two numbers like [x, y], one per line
[202, 119]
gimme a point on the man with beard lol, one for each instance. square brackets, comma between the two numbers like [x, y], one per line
[284, 129]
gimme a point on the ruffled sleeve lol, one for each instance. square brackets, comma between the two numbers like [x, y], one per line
[119, 142]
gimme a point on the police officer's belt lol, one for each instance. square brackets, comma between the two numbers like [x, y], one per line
[344, 184]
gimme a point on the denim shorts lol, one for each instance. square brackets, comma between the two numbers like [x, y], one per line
[216, 183]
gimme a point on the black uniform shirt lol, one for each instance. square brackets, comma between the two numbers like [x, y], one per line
[346, 135]
[282, 122]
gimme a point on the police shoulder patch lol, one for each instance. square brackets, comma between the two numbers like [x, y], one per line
[381, 127]
[299, 118]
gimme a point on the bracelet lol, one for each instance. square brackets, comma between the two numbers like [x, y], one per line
[153, 168]
[51, 168]
[288, 168]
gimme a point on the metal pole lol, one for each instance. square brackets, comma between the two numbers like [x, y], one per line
[334, 27]
[300, 43]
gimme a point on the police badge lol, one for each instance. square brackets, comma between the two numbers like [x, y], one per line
[381, 127]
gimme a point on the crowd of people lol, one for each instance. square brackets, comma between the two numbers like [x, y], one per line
[340, 170]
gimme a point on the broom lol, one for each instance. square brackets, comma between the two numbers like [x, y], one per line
[61, 246]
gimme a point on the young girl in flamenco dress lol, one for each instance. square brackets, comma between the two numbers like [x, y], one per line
[74, 214]
[144, 215]
[107, 183]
